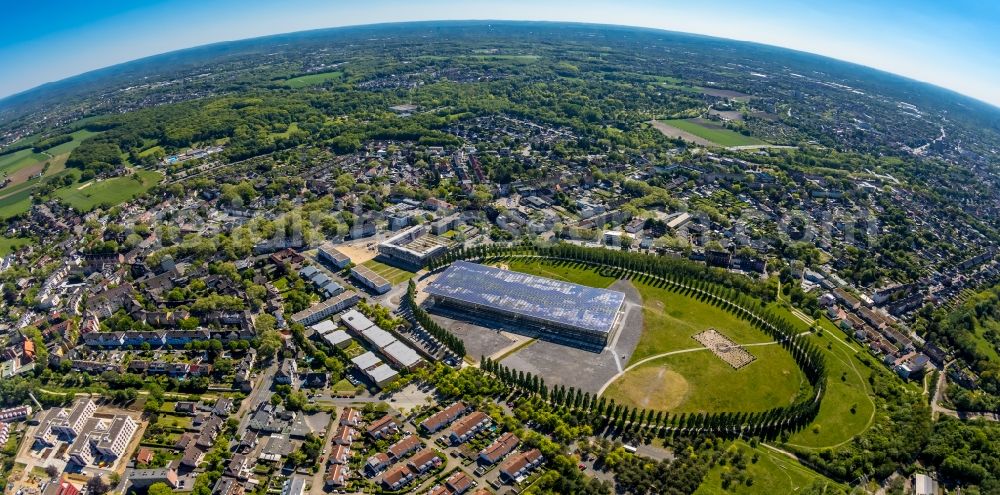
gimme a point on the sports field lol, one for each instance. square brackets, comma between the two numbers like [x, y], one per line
[392, 274]
[713, 132]
[687, 377]
[772, 473]
[313, 79]
[108, 192]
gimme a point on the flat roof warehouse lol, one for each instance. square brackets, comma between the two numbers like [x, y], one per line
[538, 298]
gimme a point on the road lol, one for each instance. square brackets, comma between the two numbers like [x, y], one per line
[261, 392]
[939, 391]
[318, 479]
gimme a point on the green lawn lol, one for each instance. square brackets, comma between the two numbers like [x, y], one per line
[391, 273]
[109, 192]
[772, 473]
[847, 389]
[292, 128]
[78, 137]
[701, 382]
[671, 318]
[567, 272]
[152, 149]
[8, 244]
[343, 386]
[174, 421]
[313, 79]
[713, 132]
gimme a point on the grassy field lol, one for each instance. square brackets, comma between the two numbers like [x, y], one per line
[313, 79]
[26, 158]
[16, 198]
[8, 244]
[563, 271]
[109, 192]
[343, 386]
[701, 382]
[15, 204]
[19, 159]
[152, 149]
[292, 128]
[78, 137]
[672, 318]
[847, 389]
[772, 473]
[174, 421]
[713, 132]
[689, 381]
[392, 274]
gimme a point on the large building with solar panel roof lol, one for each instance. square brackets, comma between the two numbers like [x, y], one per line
[572, 313]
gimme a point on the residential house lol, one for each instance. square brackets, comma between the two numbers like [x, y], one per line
[459, 483]
[404, 447]
[517, 467]
[336, 476]
[465, 428]
[383, 427]
[378, 462]
[350, 417]
[444, 417]
[423, 461]
[398, 477]
[499, 448]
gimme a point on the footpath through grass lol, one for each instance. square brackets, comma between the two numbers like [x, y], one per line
[848, 409]
[700, 381]
[772, 473]
[672, 318]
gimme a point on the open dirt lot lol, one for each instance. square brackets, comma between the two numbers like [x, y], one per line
[358, 252]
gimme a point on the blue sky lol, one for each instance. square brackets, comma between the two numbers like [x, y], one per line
[952, 43]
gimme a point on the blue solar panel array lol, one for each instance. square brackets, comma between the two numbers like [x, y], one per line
[540, 298]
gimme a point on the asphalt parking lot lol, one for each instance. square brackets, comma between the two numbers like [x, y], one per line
[481, 338]
[572, 367]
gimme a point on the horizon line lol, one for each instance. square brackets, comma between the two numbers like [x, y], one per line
[5, 98]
